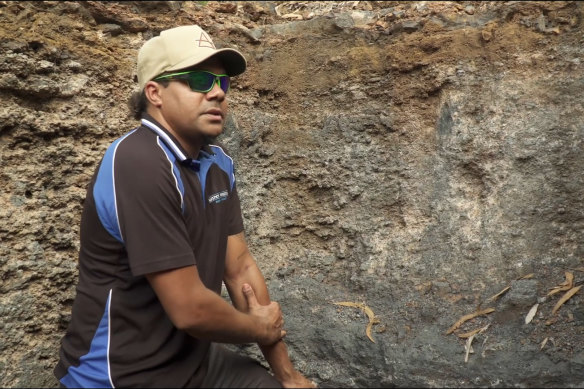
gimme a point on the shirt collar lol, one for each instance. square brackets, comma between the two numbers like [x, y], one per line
[149, 122]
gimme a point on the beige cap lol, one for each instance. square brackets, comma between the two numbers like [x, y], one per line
[180, 48]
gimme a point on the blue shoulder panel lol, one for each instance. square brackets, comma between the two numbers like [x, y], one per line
[94, 370]
[104, 192]
[222, 160]
[225, 162]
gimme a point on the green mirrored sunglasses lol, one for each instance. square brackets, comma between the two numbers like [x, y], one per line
[200, 80]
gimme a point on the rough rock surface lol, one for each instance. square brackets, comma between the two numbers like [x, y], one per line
[417, 158]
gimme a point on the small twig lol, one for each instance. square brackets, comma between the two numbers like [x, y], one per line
[468, 317]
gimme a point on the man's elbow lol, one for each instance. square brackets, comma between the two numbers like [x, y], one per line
[189, 318]
[239, 275]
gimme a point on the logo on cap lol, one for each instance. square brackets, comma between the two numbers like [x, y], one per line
[205, 41]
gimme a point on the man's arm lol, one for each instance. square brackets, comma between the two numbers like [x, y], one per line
[241, 270]
[204, 314]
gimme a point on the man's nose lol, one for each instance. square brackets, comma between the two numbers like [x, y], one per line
[216, 91]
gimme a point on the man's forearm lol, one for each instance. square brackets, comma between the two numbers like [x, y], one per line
[204, 314]
[276, 354]
[223, 324]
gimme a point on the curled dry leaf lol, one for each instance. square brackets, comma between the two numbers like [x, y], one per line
[368, 311]
[565, 298]
[568, 281]
[566, 285]
[468, 317]
[531, 314]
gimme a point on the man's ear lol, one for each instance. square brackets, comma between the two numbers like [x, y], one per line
[152, 92]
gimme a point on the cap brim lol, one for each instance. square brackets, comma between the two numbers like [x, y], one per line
[233, 61]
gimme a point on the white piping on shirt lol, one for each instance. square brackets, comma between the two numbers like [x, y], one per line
[114, 182]
[166, 138]
[172, 172]
[109, 330]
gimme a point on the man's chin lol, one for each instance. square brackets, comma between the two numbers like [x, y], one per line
[212, 134]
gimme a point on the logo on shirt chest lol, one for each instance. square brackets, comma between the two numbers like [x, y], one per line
[218, 197]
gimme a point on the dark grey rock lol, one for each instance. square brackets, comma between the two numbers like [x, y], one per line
[111, 29]
[523, 293]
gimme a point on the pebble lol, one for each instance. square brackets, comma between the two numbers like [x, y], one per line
[72, 65]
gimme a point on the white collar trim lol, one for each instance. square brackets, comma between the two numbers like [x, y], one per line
[166, 139]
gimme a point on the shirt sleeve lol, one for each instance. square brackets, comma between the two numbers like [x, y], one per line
[149, 205]
[234, 218]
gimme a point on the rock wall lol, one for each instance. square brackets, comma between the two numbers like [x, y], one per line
[415, 158]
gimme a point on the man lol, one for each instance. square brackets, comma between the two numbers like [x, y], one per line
[161, 230]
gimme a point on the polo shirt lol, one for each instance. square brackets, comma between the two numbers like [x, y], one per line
[148, 208]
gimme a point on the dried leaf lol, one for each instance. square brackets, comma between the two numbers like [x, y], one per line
[578, 269]
[531, 314]
[468, 348]
[468, 317]
[469, 334]
[368, 311]
[559, 289]
[495, 297]
[473, 332]
[569, 280]
[543, 343]
[566, 285]
[527, 276]
[565, 298]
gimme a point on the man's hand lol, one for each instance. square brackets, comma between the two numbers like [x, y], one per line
[269, 316]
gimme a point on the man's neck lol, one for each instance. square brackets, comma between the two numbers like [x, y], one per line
[191, 146]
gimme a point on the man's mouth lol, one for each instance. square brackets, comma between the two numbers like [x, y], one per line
[215, 113]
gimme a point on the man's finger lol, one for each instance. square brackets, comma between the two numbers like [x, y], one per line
[250, 295]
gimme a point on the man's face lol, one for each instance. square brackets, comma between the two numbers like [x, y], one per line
[190, 114]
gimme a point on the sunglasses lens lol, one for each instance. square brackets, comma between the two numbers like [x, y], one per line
[224, 82]
[203, 81]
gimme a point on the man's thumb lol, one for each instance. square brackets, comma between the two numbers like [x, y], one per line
[249, 295]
